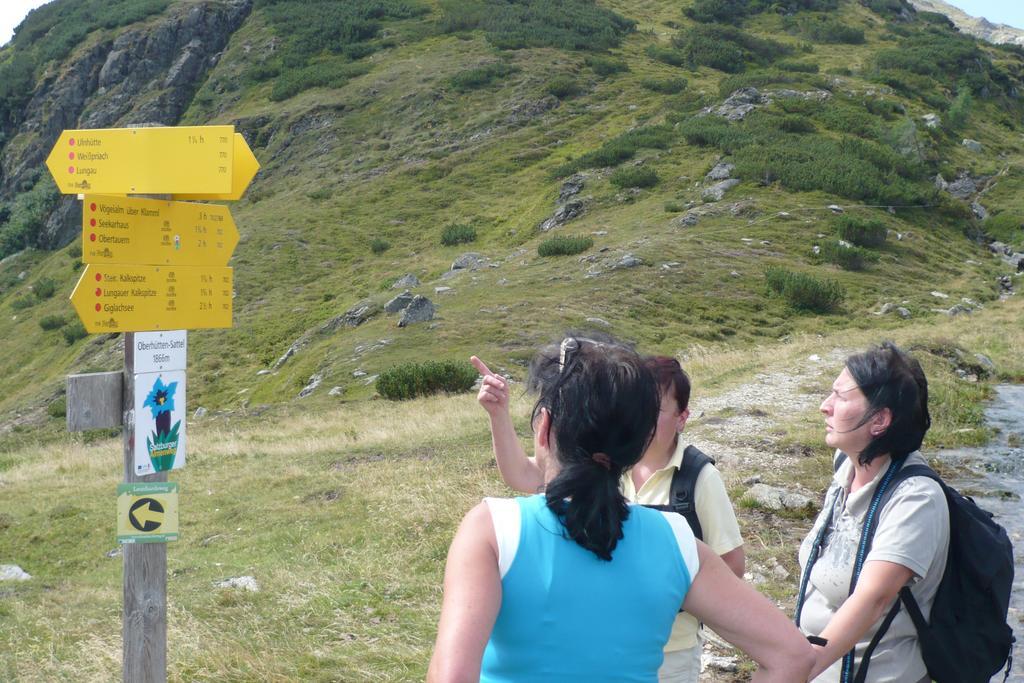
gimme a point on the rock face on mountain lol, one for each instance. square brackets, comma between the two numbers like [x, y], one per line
[144, 75]
[979, 27]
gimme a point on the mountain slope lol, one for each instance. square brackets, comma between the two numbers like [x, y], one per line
[979, 27]
[432, 114]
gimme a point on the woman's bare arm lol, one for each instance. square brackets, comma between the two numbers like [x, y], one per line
[749, 621]
[472, 597]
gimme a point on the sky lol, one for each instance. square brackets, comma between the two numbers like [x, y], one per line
[999, 11]
[11, 14]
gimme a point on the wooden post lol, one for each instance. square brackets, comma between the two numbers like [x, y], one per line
[144, 624]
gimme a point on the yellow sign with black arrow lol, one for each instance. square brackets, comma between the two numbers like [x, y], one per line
[147, 513]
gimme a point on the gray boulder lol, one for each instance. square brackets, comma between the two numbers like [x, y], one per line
[980, 212]
[201, 412]
[903, 313]
[972, 145]
[419, 310]
[628, 261]
[774, 498]
[406, 281]
[721, 171]
[12, 572]
[717, 191]
[245, 583]
[738, 104]
[399, 303]
[931, 120]
[469, 261]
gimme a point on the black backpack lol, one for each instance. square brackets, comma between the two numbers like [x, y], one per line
[967, 639]
[681, 494]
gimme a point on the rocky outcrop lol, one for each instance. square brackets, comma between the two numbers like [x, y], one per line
[745, 100]
[145, 75]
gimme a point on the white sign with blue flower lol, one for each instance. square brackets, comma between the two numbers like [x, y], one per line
[159, 422]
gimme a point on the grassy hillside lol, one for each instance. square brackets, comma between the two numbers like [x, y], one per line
[423, 115]
[343, 515]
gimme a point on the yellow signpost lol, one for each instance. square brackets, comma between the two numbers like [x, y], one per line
[144, 160]
[138, 298]
[244, 170]
[156, 232]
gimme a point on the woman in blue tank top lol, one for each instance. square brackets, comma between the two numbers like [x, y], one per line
[574, 584]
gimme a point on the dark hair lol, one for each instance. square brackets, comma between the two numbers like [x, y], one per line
[602, 399]
[890, 378]
[671, 377]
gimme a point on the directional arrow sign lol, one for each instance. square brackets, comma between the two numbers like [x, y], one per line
[244, 170]
[184, 159]
[133, 298]
[147, 512]
[151, 231]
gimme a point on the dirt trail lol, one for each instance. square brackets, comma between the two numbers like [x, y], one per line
[741, 428]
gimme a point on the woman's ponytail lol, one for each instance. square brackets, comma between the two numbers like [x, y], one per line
[604, 404]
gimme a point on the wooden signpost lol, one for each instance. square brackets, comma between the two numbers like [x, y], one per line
[156, 267]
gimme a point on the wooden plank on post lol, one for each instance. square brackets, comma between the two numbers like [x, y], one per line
[94, 401]
[144, 625]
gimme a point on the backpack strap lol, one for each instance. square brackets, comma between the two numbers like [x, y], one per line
[682, 496]
[867, 535]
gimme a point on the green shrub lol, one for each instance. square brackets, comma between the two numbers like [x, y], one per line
[668, 86]
[880, 106]
[847, 258]
[379, 245]
[319, 195]
[563, 87]
[75, 250]
[44, 288]
[794, 123]
[311, 29]
[1006, 227]
[673, 207]
[848, 118]
[959, 110]
[23, 302]
[864, 232]
[565, 245]
[333, 73]
[620, 148]
[410, 380]
[726, 48]
[566, 24]
[52, 322]
[73, 332]
[666, 55]
[603, 66]
[458, 233]
[797, 67]
[634, 176]
[471, 79]
[804, 292]
[27, 216]
[713, 131]
[823, 28]
[57, 407]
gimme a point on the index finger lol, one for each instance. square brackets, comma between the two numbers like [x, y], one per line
[480, 366]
